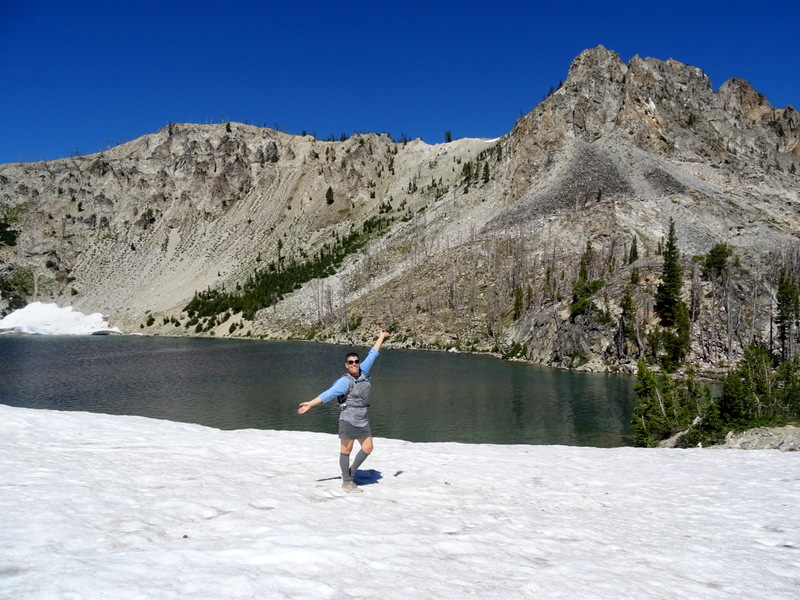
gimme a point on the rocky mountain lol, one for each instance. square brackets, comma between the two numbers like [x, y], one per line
[542, 245]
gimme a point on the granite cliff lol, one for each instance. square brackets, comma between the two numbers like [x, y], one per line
[478, 243]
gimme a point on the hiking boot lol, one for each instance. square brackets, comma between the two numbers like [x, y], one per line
[350, 487]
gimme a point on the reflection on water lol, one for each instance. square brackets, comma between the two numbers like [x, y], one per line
[233, 384]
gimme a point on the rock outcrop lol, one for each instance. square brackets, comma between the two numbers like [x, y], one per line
[785, 439]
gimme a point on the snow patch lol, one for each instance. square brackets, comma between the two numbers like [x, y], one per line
[50, 319]
[100, 506]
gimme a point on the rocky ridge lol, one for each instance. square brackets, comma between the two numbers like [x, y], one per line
[486, 236]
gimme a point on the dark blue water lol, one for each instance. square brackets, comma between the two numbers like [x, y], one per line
[235, 384]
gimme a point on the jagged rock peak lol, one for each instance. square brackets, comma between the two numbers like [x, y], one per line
[597, 59]
[738, 93]
[601, 62]
[661, 106]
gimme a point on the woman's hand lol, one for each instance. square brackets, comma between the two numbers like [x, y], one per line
[305, 406]
[382, 336]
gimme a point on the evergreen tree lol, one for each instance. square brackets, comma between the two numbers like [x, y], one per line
[466, 171]
[665, 406]
[329, 195]
[747, 392]
[716, 261]
[586, 261]
[648, 413]
[628, 316]
[633, 256]
[788, 300]
[518, 302]
[583, 289]
[788, 402]
[672, 344]
[671, 310]
[709, 429]
[668, 294]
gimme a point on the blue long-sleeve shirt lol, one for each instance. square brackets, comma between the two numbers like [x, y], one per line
[342, 385]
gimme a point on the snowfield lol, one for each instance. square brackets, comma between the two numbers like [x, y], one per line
[50, 319]
[99, 506]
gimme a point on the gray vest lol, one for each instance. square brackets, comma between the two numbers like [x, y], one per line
[355, 409]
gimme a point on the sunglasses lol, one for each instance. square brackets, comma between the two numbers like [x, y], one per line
[353, 362]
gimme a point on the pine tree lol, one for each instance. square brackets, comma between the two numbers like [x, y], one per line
[655, 397]
[716, 262]
[518, 302]
[747, 393]
[664, 406]
[586, 261]
[583, 288]
[671, 310]
[648, 415]
[329, 195]
[668, 294]
[633, 256]
[628, 316]
[466, 171]
[788, 300]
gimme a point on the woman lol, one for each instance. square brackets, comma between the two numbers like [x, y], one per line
[352, 390]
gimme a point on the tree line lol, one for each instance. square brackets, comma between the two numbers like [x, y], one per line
[267, 286]
[762, 390]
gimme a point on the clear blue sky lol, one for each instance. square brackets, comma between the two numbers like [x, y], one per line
[83, 75]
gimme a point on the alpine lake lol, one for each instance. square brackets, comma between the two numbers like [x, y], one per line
[418, 396]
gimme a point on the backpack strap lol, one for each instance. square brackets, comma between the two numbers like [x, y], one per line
[343, 398]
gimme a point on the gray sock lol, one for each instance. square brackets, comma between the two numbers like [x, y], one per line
[344, 464]
[360, 458]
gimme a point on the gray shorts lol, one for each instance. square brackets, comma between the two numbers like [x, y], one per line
[347, 431]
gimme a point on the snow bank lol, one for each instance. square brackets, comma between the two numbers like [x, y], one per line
[98, 506]
[50, 319]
